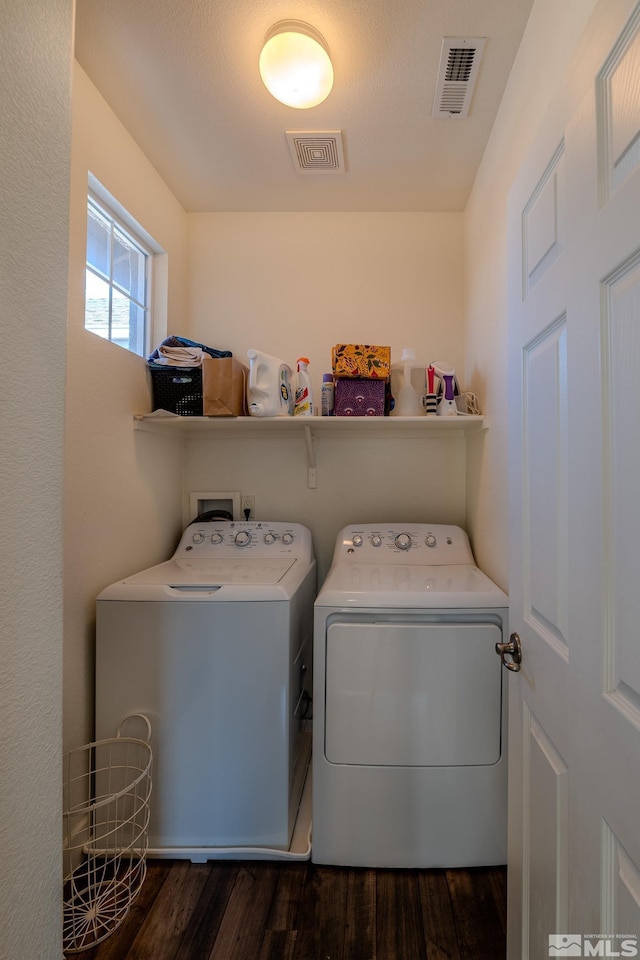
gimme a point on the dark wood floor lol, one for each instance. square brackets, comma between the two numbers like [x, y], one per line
[300, 911]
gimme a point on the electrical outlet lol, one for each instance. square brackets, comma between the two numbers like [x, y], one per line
[248, 503]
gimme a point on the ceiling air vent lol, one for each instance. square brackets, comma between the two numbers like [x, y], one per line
[316, 151]
[459, 64]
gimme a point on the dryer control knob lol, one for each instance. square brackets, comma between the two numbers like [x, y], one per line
[376, 540]
[216, 538]
[403, 541]
[357, 540]
[198, 537]
[242, 538]
[430, 540]
[269, 538]
[287, 538]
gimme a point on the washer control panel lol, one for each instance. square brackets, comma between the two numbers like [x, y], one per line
[217, 539]
[411, 543]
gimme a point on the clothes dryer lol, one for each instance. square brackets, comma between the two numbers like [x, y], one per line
[409, 742]
[213, 646]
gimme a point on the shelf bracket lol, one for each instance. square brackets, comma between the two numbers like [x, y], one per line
[310, 439]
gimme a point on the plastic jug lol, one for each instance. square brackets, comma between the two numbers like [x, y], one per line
[269, 392]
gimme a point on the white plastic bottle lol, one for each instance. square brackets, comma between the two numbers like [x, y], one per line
[407, 402]
[269, 392]
[304, 399]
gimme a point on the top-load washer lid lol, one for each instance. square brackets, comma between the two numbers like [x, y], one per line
[180, 573]
[412, 566]
[218, 561]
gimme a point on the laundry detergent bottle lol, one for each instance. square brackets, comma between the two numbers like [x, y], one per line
[269, 391]
[304, 398]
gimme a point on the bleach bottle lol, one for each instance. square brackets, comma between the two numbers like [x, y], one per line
[269, 386]
[304, 400]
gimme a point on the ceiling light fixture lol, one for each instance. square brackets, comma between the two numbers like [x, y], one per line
[295, 65]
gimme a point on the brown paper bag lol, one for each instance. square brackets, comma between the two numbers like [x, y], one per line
[224, 387]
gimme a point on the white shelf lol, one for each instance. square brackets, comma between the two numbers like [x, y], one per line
[204, 428]
[347, 426]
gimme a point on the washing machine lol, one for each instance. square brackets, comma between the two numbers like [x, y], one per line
[214, 646]
[409, 728]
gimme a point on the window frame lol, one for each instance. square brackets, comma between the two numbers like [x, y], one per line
[120, 220]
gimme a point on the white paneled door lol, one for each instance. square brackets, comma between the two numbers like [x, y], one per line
[574, 359]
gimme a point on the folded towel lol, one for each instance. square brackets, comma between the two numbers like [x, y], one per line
[157, 359]
[179, 356]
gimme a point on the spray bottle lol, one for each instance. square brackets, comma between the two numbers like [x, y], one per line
[304, 400]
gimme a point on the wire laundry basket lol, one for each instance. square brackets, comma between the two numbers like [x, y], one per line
[107, 785]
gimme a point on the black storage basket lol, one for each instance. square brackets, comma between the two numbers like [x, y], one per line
[177, 389]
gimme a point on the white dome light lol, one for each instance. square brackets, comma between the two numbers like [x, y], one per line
[295, 66]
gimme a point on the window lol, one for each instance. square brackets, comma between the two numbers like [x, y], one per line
[118, 280]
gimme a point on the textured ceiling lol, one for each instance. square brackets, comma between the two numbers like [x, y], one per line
[182, 75]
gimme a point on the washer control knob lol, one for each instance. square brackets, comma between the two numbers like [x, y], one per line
[403, 541]
[269, 538]
[198, 537]
[356, 540]
[287, 538]
[430, 540]
[216, 538]
[242, 538]
[376, 540]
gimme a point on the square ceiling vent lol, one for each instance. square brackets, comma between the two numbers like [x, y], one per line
[459, 65]
[316, 151]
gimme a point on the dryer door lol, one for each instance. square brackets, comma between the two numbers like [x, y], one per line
[413, 694]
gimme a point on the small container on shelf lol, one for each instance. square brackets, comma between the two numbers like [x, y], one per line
[328, 395]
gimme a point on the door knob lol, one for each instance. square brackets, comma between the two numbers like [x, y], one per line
[513, 649]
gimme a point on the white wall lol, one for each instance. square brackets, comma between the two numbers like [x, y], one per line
[35, 59]
[122, 489]
[359, 480]
[549, 40]
[294, 284]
